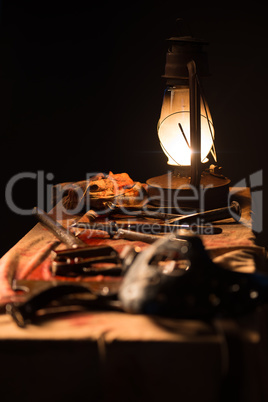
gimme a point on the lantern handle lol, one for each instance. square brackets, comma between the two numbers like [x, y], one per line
[195, 124]
[183, 26]
[213, 149]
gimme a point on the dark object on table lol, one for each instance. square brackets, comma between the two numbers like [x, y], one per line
[201, 289]
[169, 278]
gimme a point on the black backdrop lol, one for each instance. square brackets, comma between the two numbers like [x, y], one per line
[81, 92]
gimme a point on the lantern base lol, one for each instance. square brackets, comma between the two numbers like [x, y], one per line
[175, 191]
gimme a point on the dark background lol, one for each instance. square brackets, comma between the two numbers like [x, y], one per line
[81, 91]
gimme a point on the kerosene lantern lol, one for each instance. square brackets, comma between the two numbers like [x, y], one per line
[186, 133]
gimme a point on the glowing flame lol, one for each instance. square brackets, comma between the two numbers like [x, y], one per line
[174, 128]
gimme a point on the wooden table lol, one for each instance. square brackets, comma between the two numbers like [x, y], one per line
[116, 356]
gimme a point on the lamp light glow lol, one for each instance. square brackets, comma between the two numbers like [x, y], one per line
[174, 127]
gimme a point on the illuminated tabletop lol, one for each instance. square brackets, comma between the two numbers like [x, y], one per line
[109, 355]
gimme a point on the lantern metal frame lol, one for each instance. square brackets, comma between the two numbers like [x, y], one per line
[186, 61]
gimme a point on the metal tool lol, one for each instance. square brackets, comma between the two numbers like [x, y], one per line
[46, 298]
[112, 208]
[80, 259]
[136, 236]
[232, 211]
[83, 261]
[138, 213]
[112, 228]
[200, 289]
[57, 229]
[43, 298]
[146, 238]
